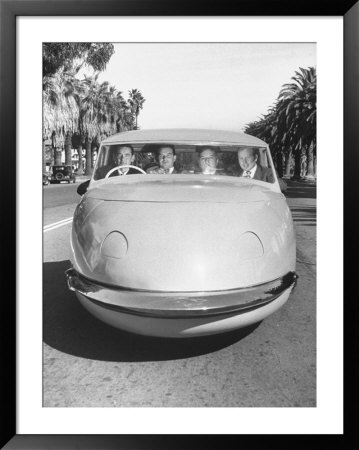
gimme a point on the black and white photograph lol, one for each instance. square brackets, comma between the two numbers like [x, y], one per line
[179, 240]
[178, 286]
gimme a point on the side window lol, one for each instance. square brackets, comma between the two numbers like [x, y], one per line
[101, 162]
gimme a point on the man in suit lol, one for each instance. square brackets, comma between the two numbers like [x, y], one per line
[122, 155]
[250, 168]
[207, 160]
[166, 157]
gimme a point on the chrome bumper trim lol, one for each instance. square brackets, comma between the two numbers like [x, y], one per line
[180, 304]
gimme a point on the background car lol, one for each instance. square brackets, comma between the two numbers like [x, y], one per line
[62, 173]
[185, 254]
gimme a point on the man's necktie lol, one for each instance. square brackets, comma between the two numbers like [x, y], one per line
[247, 174]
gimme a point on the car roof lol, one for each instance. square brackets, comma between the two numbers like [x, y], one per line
[186, 136]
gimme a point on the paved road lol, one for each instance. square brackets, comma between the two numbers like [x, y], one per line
[87, 363]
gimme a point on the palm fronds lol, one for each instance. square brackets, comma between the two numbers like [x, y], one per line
[290, 123]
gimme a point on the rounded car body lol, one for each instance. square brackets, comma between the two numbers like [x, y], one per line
[187, 253]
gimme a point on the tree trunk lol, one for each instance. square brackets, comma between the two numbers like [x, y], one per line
[279, 164]
[310, 159]
[58, 154]
[303, 162]
[93, 153]
[88, 170]
[43, 156]
[68, 152]
[288, 160]
[79, 152]
[52, 156]
[297, 159]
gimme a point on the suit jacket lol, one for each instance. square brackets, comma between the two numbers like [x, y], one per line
[217, 172]
[175, 171]
[103, 171]
[261, 173]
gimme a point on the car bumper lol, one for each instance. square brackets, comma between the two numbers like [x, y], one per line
[180, 305]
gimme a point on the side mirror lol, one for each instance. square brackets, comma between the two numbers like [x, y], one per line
[82, 188]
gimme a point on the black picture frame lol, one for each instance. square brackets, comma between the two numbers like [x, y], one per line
[10, 9]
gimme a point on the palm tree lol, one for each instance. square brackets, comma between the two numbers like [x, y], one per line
[60, 110]
[83, 111]
[136, 101]
[101, 114]
[91, 114]
[298, 104]
[125, 117]
[60, 88]
[290, 124]
[266, 128]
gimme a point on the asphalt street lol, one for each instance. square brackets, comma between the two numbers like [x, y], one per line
[87, 363]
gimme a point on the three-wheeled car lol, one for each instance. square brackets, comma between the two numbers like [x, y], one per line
[187, 251]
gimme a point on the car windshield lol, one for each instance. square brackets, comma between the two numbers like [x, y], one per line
[226, 160]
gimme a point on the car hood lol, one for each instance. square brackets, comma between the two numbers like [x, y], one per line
[182, 188]
[179, 235]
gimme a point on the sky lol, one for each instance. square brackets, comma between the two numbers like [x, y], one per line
[205, 85]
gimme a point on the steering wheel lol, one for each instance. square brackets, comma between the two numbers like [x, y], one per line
[121, 167]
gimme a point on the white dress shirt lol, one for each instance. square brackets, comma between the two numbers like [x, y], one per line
[209, 172]
[123, 173]
[251, 172]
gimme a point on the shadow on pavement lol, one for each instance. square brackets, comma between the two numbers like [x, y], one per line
[304, 212]
[300, 189]
[304, 215]
[69, 328]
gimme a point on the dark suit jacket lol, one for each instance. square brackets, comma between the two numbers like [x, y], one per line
[103, 171]
[262, 173]
[175, 171]
[217, 172]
